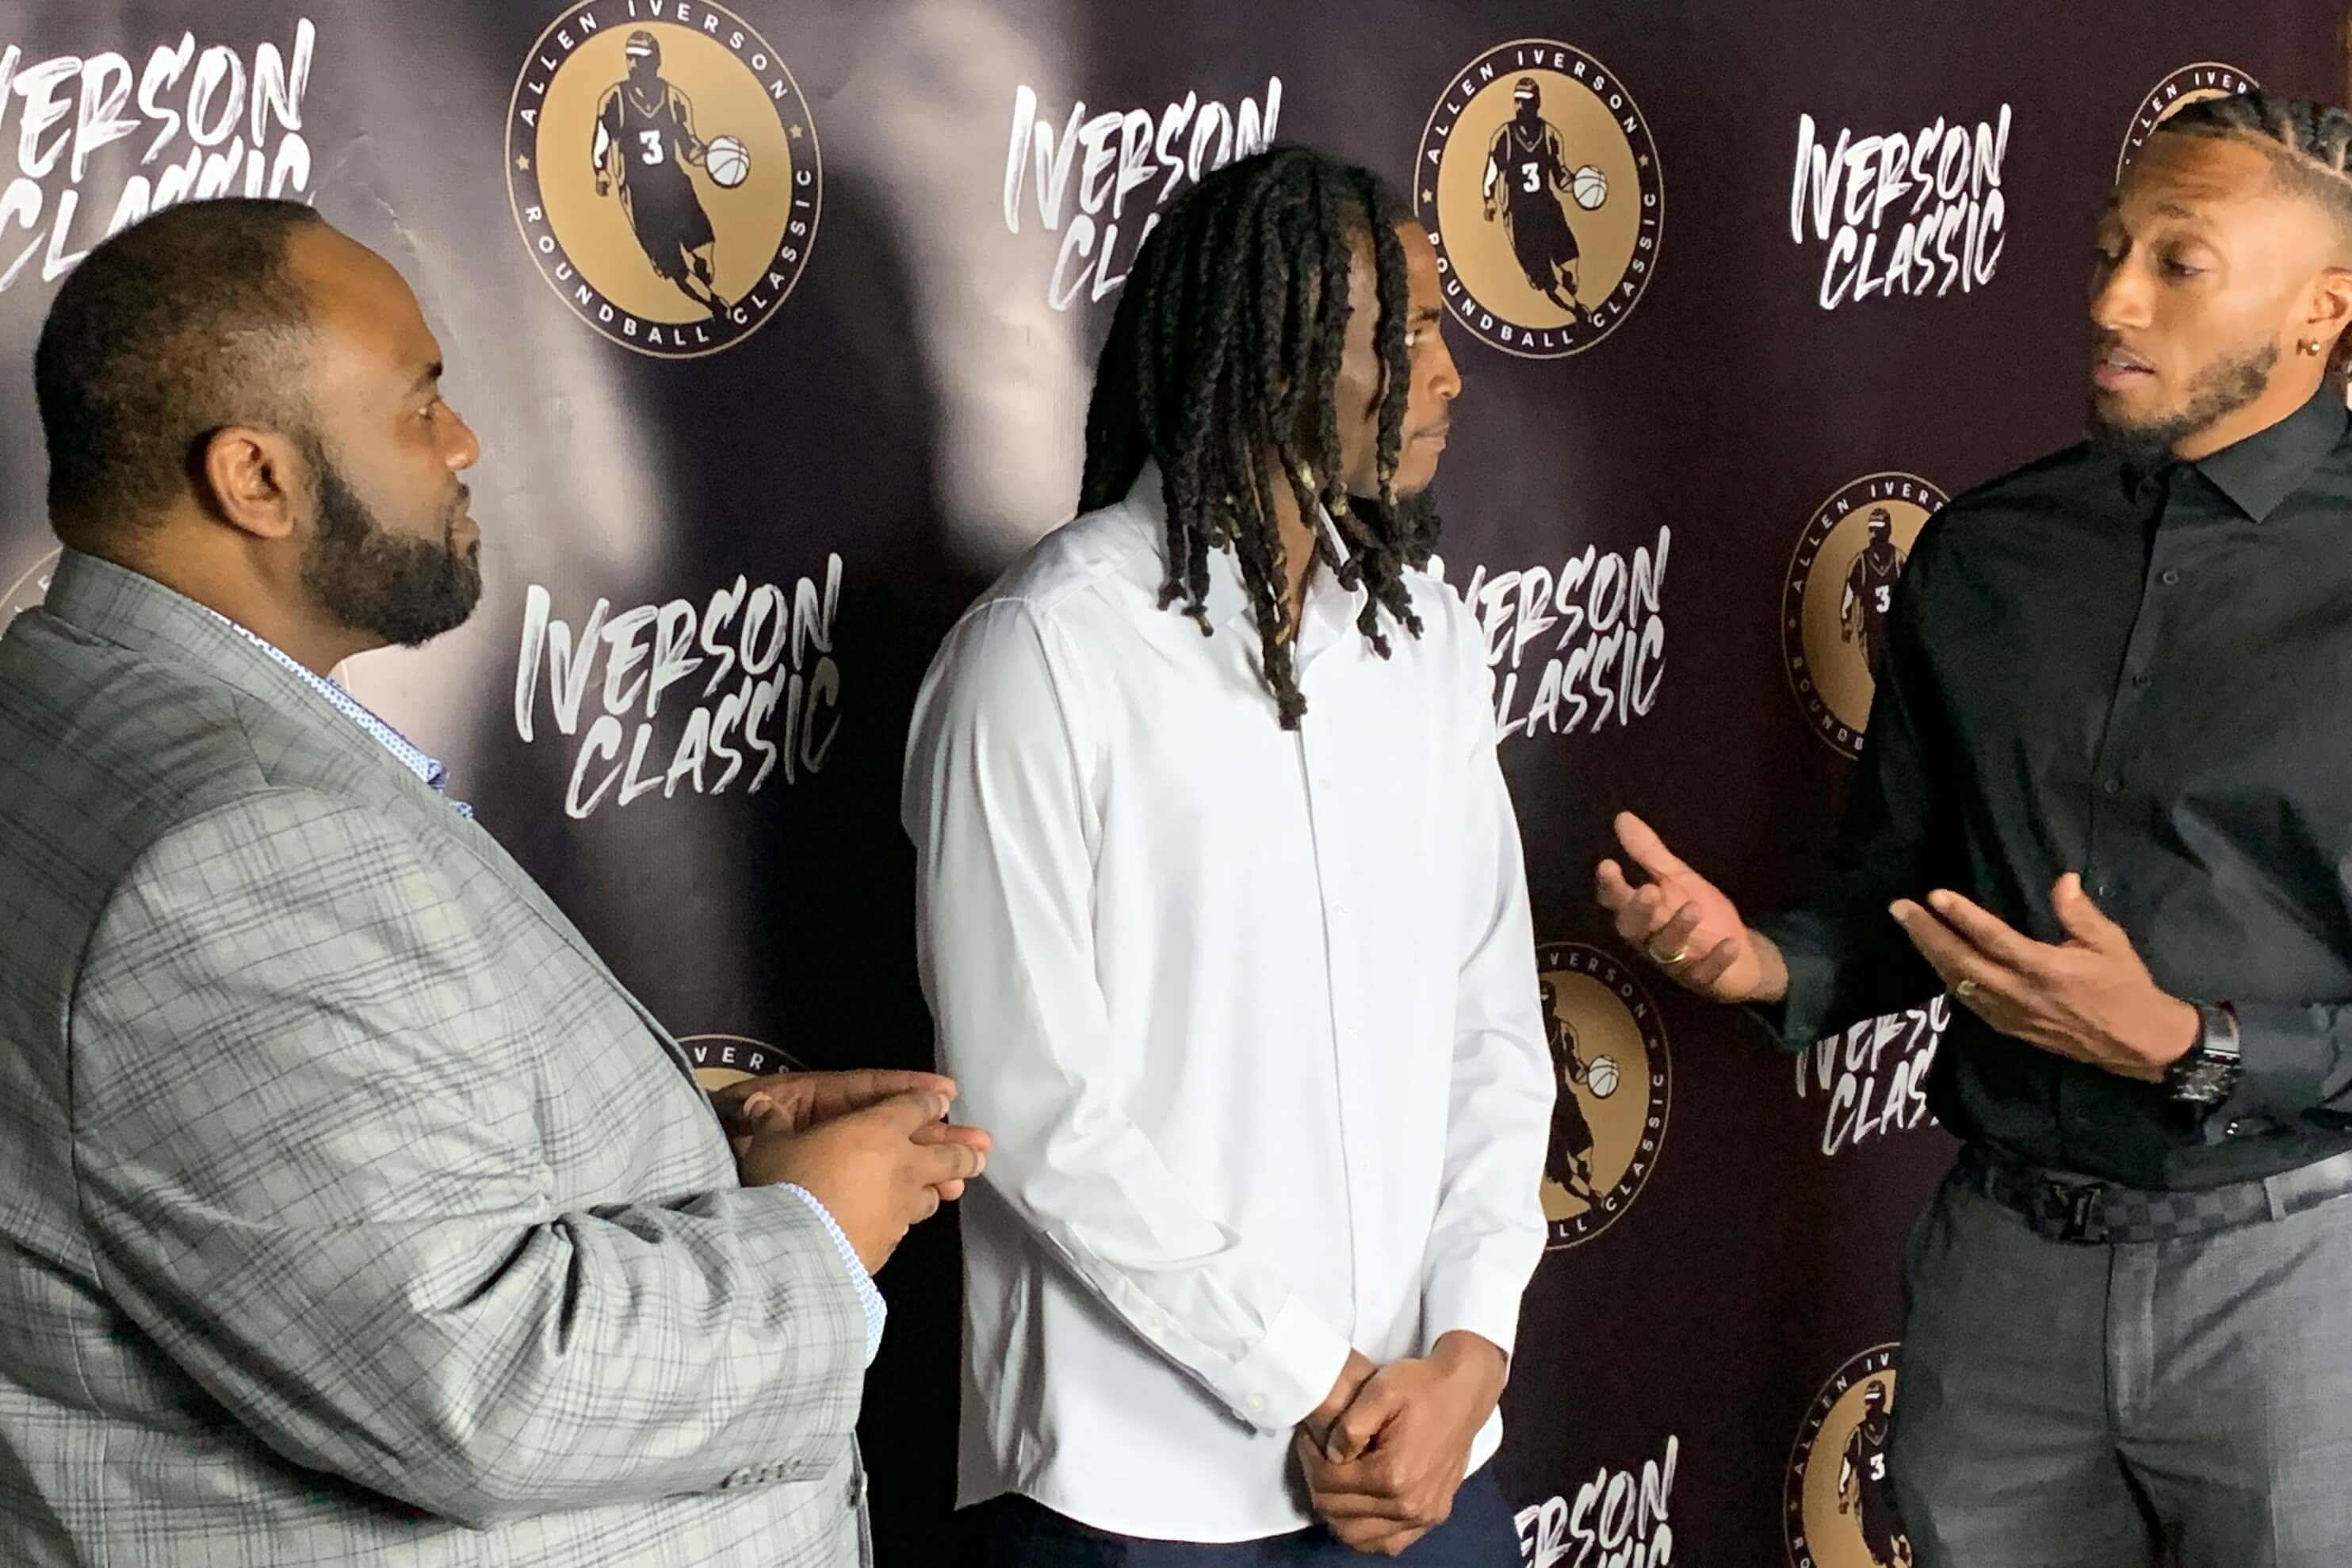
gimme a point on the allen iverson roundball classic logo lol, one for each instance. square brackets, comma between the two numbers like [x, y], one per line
[664, 172]
[2206, 78]
[1838, 1510]
[1609, 1054]
[1841, 588]
[721, 1060]
[29, 589]
[1538, 181]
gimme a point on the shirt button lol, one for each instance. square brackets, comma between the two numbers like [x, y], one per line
[1256, 1403]
[2141, 680]
[2171, 575]
[2113, 787]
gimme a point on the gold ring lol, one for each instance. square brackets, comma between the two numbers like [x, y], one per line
[1965, 989]
[1673, 958]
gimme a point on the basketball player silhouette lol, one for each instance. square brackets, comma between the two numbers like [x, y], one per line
[1870, 590]
[1527, 190]
[1571, 1134]
[645, 138]
[1862, 1483]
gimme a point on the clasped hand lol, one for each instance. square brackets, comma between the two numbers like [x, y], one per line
[874, 1147]
[1385, 1454]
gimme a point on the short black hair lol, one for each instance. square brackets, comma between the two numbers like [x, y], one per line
[184, 322]
[2309, 145]
[1228, 338]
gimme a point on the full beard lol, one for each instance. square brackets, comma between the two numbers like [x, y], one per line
[372, 581]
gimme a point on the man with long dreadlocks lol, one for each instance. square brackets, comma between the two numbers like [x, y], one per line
[1225, 930]
[2104, 804]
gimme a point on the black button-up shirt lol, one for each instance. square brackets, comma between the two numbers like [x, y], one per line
[2145, 678]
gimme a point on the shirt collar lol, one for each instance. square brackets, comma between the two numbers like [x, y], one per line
[429, 770]
[2267, 467]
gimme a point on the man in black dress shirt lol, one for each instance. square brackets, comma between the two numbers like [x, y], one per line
[2106, 802]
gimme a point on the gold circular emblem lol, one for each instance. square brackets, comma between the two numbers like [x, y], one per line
[1838, 1508]
[721, 1060]
[1539, 183]
[664, 174]
[2206, 78]
[1839, 593]
[1615, 1082]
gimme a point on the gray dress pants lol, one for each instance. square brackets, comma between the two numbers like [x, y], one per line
[2083, 1407]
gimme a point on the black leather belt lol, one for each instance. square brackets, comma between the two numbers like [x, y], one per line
[2098, 1214]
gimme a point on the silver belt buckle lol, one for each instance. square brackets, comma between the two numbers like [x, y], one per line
[2071, 1209]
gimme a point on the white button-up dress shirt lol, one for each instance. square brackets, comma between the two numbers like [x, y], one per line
[1253, 1014]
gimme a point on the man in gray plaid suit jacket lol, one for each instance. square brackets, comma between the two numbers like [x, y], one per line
[350, 1211]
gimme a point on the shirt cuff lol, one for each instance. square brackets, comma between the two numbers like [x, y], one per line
[1292, 1371]
[2286, 1053]
[868, 1297]
[1483, 1301]
[1800, 1017]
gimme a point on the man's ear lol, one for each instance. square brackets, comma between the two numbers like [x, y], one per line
[248, 478]
[2329, 314]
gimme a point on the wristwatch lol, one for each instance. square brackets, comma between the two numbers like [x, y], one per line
[2207, 1073]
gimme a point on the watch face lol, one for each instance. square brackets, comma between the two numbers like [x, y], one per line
[2201, 1080]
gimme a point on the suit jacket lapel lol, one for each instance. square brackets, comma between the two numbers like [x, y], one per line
[136, 611]
[493, 854]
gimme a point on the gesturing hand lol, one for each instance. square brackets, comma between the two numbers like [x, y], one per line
[1683, 923]
[2089, 998]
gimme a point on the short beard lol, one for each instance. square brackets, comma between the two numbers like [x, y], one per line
[2220, 390]
[370, 581]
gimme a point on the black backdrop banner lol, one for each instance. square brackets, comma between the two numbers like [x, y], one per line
[1830, 268]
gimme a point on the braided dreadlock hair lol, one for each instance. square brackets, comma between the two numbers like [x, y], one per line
[2310, 150]
[2316, 140]
[1220, 367]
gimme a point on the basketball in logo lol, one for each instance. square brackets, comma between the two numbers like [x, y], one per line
[1538, 181]
[664, 173]
[721, 1060]
[2207, 79]
[29, 589]
[1609, 1057]
[1839, 1507]
[1839, 592]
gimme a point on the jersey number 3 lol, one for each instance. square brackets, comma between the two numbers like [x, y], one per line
[649, 147]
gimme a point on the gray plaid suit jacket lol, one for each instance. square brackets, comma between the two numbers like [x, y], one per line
[350, 1211]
